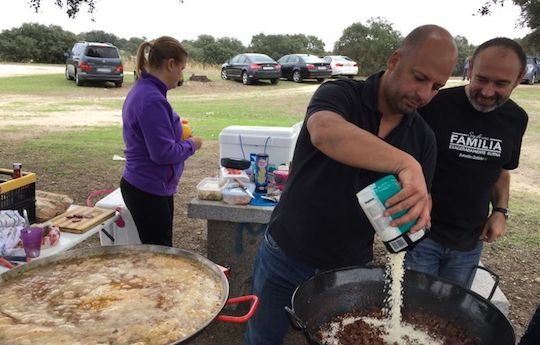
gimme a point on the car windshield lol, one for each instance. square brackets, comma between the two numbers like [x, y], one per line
[343, 58]
[261, 58]
[102, 52]
[312, 59]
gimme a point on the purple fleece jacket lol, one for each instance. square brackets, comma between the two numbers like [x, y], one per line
[155, 152]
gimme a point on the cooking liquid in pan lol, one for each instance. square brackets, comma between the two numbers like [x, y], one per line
[392, 329]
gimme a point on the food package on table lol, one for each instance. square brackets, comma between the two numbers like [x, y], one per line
[51, 236]
[227, 175]
[209, 189]
[234, 194]
[11, 224]
[50, 205]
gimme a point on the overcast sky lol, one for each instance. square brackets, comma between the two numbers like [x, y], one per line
[242, 19]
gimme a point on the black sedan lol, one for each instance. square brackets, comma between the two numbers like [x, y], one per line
[297, 67]
[250, 67]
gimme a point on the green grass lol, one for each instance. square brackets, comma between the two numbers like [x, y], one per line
[45, 84]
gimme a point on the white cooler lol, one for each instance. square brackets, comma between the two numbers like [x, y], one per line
[246, 141]
[122, 235]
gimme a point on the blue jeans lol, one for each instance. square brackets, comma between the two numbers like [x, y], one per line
[430, 257]
[275, 277]
[532, 334]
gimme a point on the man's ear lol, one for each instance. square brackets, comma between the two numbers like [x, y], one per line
[393, 60]
[520, 78]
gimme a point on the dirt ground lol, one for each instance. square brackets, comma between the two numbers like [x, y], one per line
[520, 278]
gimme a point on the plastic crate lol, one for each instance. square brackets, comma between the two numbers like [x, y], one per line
[18, 194]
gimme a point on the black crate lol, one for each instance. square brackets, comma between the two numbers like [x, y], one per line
[19, 198]
[28, 205]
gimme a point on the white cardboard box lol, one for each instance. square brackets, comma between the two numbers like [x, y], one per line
[245, 141]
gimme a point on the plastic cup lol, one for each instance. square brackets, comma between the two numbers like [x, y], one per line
[31, 239]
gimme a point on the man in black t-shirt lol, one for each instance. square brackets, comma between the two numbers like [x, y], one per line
[479, 132]
[354, 133]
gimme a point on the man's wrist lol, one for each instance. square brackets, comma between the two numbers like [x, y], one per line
[502, 210]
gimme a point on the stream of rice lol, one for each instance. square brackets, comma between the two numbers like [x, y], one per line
[395, 330]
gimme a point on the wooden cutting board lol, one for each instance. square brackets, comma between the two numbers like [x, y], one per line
[91, 217]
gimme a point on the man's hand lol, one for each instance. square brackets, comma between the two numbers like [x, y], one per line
[495, 227]
[413, 196]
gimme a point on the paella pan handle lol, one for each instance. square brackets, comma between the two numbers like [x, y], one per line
[493, 275]
[299, 325]
[6, 263]
[294, 320]
[241, 319]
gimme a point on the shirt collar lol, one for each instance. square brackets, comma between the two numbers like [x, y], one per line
[370, 98]
[156, 81]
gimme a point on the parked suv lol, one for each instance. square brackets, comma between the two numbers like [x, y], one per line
[93, 61]
[532, 70]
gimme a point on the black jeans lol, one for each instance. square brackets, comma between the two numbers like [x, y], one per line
[152, 214]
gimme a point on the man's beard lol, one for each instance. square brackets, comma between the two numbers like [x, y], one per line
[475, 97]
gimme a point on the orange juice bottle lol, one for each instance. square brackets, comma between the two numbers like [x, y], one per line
[186, 130]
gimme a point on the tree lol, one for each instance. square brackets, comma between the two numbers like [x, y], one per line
[464, 49]
[72, 6]
[36, 43]
[100, 36]
[530, 17]
[369, 45]
[208, 50]
[276, 46]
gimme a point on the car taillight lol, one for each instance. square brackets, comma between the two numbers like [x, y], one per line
[278, 67]
[119, 69]
[310, 66]
[254, 66]
[355, 65]
[339, 65]
[85, 67]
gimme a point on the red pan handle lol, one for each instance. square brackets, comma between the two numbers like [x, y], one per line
[6, 263]
[241, 319]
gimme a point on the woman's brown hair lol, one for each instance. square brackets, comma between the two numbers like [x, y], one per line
[159, 51]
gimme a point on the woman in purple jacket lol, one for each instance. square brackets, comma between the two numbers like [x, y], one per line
[154, 149]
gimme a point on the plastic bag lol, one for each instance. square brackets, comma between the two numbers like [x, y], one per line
[11, 224]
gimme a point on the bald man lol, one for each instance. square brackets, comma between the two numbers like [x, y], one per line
[354, 133]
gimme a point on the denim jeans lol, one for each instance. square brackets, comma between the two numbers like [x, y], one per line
[275, 277]
[430, 257]
[532, 334]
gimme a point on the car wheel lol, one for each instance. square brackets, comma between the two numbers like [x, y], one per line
[297, 77]
[274, 81]
[118, 83]
[224, 74]
[68, 77]
[320, 80]
[78, 81]
[245, 78]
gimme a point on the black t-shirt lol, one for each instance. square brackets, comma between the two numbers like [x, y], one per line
[318, 220]
[472, 148]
